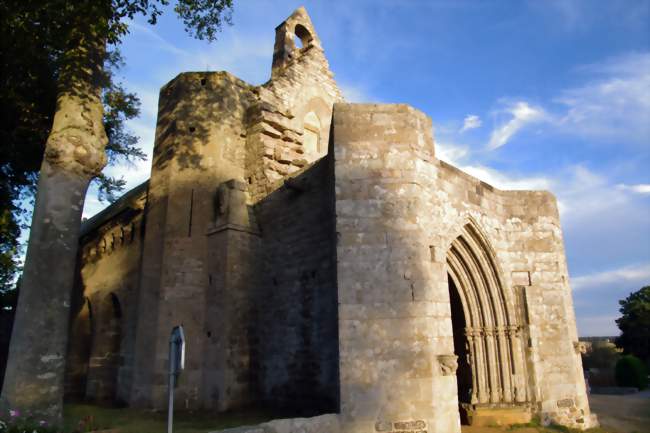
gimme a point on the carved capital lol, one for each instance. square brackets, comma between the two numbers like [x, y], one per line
[513, 330]
[472, 332]
[448, 364]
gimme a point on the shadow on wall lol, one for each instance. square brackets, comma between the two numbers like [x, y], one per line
[7, 312]
[297, 356]
[192, 106]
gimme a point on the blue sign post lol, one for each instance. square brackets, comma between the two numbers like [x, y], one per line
[176, 365]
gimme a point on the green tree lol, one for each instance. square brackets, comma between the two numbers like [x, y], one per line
[630, 371]
[75, 37]
[28, 96]
[634, 324]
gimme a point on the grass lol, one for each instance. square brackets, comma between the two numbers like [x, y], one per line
[146, 421]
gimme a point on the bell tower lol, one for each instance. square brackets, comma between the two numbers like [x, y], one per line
[293, 38]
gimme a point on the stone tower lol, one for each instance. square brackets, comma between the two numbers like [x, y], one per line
[323, 260]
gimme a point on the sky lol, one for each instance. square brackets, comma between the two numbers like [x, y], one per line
[550, 95]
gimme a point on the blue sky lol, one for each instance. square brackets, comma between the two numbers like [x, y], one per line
[524, 95]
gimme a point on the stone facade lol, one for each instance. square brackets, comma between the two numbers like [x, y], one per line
[322, 260]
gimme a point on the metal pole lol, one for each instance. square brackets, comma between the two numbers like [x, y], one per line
[172, 378]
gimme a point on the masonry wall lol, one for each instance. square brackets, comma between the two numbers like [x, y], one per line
[393, 323]
[104, 314]
[398, 212]
[301, 84]
[228, 361]
[523, 228]
[297, 356]
[200, 143]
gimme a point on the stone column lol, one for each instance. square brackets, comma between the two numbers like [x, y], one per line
[482, 371]
[471, 343]
[519, 363]
[493, 364]
[505, 363]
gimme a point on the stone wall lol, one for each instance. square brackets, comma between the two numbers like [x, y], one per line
[294, 105]
[393, 323]
[407, 222]
[100, 354]
[200, 143]
[523, 230]
[297, 357]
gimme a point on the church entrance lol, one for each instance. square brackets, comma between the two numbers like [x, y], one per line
[464, 371]
[491, 373]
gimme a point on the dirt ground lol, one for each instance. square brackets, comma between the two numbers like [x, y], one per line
[616, 413]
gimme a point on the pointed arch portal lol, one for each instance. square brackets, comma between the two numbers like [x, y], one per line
[487, 333]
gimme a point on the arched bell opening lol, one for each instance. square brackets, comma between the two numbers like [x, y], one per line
[491, 365]
[302, 37]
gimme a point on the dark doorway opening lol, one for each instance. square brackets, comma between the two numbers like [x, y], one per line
[461, 349]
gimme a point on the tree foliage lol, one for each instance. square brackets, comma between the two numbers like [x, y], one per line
[634, 324]
[601, 356]
[630, 371]
[37, 39]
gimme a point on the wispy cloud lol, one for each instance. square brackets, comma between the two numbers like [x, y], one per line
[615, 105]
[471, 121]
[356, 93]
[505, 181]
[451, 152]
[642, 188]
[521, 113]
[632, 276]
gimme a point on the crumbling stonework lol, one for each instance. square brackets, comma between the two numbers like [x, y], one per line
[322, 260]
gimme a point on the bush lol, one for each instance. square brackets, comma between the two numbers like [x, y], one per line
[631, 371]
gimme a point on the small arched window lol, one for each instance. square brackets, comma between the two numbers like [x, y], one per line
[303, 37]
[311, 134]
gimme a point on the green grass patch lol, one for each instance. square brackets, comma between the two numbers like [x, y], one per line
[82, 418]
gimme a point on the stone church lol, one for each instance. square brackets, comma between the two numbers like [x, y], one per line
[322, 260]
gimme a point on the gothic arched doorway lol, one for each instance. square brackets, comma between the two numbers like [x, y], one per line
[491, 372]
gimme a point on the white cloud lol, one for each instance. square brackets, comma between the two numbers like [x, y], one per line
[471, 121]
[631, 276]
[245, 55]
[450, 152]
[355, 93]
[504, 181]
[615, 106]
[642, 188]
[522, 114]
[160, 42]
